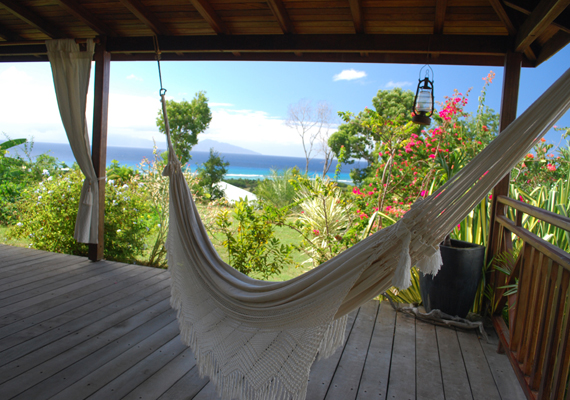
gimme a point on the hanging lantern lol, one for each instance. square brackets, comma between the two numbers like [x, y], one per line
[423, 102]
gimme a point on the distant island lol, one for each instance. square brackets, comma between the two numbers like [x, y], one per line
[206, 144]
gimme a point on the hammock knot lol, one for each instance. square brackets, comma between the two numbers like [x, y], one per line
[432, 262]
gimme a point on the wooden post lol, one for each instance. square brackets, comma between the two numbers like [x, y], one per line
[99, 149]
[509, 100]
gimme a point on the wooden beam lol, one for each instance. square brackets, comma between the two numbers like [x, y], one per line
[444, 44]
[31, 18]
[553, 46]
[140, 11]
[357, 17]
[542, 16]
[508, 113]
[282, 16]
[209, 14]
[86, 17]
[440, 9]
[561, 22]
[503, 16]
[99, 148]
[8, 35]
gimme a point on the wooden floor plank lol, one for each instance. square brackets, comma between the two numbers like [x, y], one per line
[322, 370]
[85, 358]
[126, 382]
[480, 376]
[80, 285]
[67, 269]
[500, 366]
[374, 382]
[124, 285]
[347, 376]
[186, 387]
[429, 385]
[161, 381]
[454, 375]
[28, 265]
[35, 351]
[61, 280]
[402, 383]
[106, 373]
[208, 392]
[60, 301]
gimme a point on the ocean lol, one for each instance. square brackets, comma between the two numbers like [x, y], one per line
[248, 166]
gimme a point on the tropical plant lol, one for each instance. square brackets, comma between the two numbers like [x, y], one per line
[278, 188]
[410, 295]
[324, 220]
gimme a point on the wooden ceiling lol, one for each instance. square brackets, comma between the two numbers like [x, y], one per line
[466, 32]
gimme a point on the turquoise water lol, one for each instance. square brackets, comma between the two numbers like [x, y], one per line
[249, 166]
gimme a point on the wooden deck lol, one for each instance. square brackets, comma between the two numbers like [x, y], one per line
[71, 329]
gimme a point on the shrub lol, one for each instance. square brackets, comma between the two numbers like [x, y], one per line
[249, 237]
[47, 213]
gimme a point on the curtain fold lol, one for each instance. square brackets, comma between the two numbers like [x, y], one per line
[71, 69]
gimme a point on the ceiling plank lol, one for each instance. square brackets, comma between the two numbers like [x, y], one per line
[503, 16]
[209, 14]
[552, 46]
[282, 16]
[440, 9]
[86, 17]
[140, 11]
[31, 18]
[357, 18]
[8, 35]
[542, 16]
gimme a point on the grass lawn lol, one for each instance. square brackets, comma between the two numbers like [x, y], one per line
[4, 239]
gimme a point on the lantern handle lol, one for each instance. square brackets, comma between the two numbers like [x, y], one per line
[427, 69]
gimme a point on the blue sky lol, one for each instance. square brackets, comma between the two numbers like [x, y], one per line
[249, 100]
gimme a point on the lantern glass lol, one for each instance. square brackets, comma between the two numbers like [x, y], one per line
[424, 101]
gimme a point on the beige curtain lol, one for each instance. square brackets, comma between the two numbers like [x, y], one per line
[71, 68]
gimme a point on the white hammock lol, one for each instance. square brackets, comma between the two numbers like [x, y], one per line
[258, 340]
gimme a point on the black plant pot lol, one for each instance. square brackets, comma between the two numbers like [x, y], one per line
[453, 289]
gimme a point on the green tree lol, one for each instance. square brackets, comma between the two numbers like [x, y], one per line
[186, 120]
[211, 172]
[359, 139]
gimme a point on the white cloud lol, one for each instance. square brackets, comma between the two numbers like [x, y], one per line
[133, 76]
[349, 75]
[402, 84]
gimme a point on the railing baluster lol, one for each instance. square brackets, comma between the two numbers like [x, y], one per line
[523, 299]
[538, 278]
[554, 328]
[546, 306]
[560, 373]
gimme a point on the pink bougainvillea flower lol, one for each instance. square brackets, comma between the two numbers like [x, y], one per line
[423, 193]
[316, 232]
[551, 167]
[431, 156]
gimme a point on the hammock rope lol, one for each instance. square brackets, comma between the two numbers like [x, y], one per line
[257, 340]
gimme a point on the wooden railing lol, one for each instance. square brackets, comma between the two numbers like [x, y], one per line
[538, 331]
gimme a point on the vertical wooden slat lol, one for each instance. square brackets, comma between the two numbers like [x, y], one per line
[99, 149]
[529, 344]
[554, 330]
[509, 101]
[560, 374]
[523, 299]
[537, 365]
